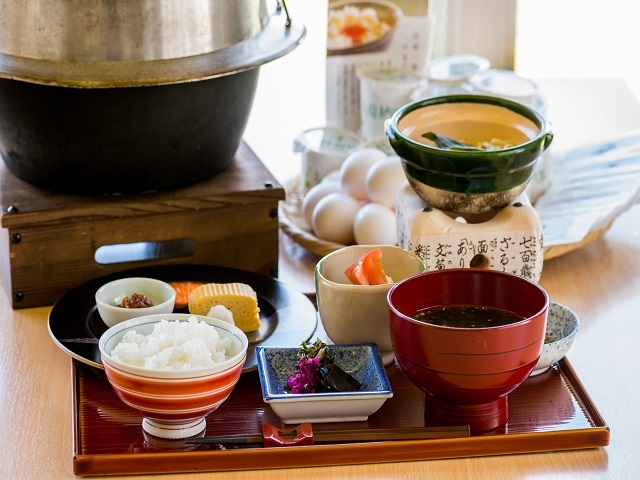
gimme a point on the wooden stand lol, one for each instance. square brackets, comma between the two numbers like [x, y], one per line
[54, 241]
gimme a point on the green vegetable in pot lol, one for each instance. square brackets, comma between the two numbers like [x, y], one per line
[448, 143]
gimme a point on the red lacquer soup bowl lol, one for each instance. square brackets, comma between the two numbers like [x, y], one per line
[174, 401]
[467, 372]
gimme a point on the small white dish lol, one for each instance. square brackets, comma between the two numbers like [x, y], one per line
[562, 327]
[161, 294]
[362, 361]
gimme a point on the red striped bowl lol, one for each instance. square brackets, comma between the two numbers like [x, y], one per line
[174, 403]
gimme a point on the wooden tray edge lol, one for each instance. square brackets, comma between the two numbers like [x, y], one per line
[349, 454]
[336, 455]
[581, 393]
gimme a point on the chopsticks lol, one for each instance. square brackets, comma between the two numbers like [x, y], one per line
[79, 340]
[383, 435]
[303, 435]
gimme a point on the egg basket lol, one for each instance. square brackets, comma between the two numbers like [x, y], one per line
[293, 224]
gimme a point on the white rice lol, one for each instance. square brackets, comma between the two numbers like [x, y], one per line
[173, 345]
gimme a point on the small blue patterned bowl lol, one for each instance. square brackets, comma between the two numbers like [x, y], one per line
[362, 361]
[562, 326]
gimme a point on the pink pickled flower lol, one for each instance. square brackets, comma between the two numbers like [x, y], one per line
[304, 378]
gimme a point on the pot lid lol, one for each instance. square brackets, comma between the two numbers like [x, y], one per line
[280, 35]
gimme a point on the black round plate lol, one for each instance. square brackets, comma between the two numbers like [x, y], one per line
[287, 316]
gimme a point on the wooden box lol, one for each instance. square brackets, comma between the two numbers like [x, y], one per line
[53, 241]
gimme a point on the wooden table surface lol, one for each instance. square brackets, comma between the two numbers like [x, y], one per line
[601, 282]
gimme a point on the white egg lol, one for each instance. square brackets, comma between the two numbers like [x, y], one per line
[353, 172]
[384, 180]
[375, 224]
[334, 216]
[332, 176]
[314, 195]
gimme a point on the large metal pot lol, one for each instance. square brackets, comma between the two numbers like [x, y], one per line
[106, 96]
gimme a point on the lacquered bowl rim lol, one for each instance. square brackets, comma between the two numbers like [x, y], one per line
[481, 271]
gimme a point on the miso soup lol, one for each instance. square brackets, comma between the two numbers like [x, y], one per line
[467, 316]
[473, 123]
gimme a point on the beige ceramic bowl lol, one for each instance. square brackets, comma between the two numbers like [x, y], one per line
[161, 294]
[360, 313]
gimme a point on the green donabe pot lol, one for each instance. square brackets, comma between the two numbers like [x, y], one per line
[476, 183]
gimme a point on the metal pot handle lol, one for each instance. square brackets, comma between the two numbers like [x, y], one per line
[282, 5]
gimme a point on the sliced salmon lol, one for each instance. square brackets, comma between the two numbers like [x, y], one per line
[183, 290]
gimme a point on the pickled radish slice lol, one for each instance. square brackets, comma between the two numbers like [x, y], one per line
[367, 270]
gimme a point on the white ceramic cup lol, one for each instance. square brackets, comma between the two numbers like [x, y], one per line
[360, 313]
[322, 151]
[509, 85]
[382, 92]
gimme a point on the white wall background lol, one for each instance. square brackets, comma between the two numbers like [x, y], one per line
[579, 38]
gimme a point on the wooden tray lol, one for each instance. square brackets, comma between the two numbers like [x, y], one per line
[549, 412]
